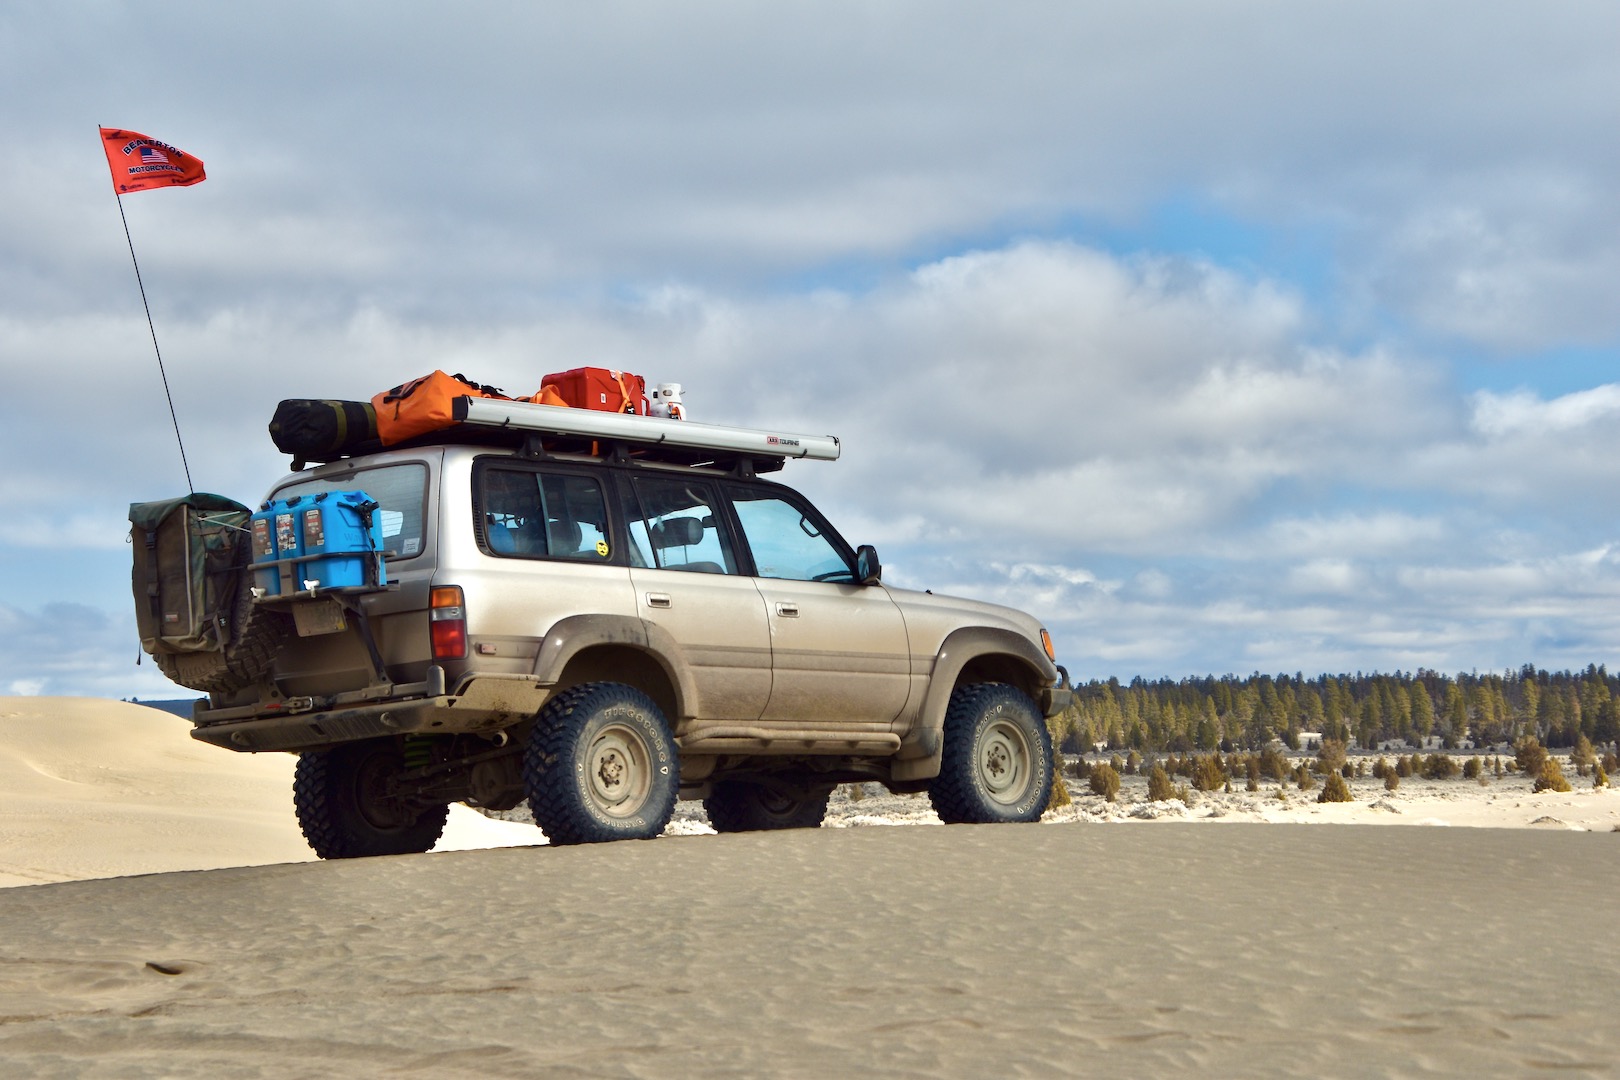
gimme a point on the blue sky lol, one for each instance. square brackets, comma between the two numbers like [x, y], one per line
[1254, 336]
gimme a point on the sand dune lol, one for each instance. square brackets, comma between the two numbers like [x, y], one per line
[1271, 949]
[92, 788]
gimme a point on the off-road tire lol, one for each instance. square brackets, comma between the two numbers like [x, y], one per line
[601, 765]
[738, 806]
[257, 634]
[997, 760]
[344, 811]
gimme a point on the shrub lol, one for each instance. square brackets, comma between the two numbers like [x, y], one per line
[1380, 768]
[1581, 755]
[1159, 788]
[1184, 795]
[1600, 778]
[1529, 755]
[1472, 770]
[1080, 768]
[1060, 793]
[1610, 762]
[1273, 764]
[1304, 778]
[1392, 779]
[1117, 765]
[1133, 763]
[1207, 774]
[1361, 769]
[1331, 755]
[1335, 789]
[1551, 776]
[1105, 781]
[1403, 766]
[1440, 767]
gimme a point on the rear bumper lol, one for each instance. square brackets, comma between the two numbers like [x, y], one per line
[483, 703]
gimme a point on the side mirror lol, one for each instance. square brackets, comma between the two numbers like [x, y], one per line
[868, 567]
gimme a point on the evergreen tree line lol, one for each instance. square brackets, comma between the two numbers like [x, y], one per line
[1361, 710]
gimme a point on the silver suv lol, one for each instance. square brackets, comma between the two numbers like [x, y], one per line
[601, 628]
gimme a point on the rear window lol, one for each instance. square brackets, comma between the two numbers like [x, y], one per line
[400, 491]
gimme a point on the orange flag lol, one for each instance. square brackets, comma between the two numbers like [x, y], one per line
[138, 163]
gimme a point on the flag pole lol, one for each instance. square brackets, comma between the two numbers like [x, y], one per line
[173, 418]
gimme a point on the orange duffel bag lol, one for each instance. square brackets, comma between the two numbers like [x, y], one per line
[424, 405]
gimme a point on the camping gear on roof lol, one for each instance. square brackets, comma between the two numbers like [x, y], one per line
[324, 429]
[423, 405]
[317, 429]
[666, 401]
[600, 389]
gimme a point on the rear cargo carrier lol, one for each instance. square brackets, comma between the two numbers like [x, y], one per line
[193, 604]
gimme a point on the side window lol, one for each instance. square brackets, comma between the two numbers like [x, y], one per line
[530, 514]
[785, 541]
[673, 526]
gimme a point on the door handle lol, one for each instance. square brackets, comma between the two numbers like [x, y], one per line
[787, 611]
[659, 600]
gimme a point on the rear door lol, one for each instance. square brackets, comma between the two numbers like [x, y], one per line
[684, 567]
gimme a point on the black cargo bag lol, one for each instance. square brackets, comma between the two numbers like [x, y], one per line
[322, 430]
[189, 556]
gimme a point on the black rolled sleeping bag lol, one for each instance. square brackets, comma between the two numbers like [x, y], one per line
[320, 430]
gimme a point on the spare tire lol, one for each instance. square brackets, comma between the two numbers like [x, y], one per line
[257, 634]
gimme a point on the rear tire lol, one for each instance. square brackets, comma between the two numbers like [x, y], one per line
[601, 765]
[345, 810]
[997, 760]
[257, 634]
[738, 806]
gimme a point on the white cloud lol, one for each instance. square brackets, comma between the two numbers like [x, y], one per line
[1525, 413]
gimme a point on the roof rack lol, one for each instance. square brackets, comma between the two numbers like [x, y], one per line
[641, 430]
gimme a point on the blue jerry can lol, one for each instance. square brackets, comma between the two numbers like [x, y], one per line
[330, 540]
[342, 541]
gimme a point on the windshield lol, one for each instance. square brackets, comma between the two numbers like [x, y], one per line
[401, 492]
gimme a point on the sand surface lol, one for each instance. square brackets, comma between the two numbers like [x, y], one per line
[1069, 948]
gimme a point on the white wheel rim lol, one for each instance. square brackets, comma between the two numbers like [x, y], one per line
[618, 771]
[1004, 763]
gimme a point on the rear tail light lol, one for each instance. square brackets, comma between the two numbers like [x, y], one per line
[447, 622]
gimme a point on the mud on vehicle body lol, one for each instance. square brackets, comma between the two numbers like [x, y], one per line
[600, 627]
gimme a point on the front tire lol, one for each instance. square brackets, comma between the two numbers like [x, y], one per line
[997, 760]
[345, 808]
[601, 765]
[737, 806]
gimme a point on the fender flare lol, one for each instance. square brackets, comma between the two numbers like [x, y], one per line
[919, 755]
[571, 636]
